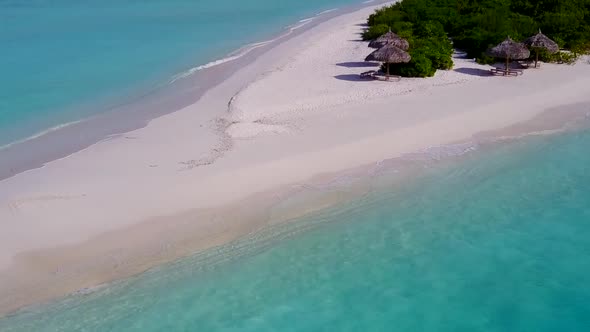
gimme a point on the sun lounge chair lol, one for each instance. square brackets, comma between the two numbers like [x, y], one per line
[390, 78]
[506, 72]
[372, 74]
[526, 63]
[369, 74]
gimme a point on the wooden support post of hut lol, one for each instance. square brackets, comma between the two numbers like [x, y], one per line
[539, 42]
[389, 54]
[509, 50]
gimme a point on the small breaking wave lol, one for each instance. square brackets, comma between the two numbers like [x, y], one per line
[249, 48]
[240, 52]
[201, 67]
[435, 153]
[326, 11]
[39, 134]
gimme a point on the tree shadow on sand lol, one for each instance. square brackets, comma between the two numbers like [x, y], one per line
[473, 71]
[357, 64]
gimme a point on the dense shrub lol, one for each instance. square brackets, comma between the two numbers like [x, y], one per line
[430, 47]
[475, 25]
[419, 66]
[559, 57]
[486, 59]
[375, 31]
[438, 51]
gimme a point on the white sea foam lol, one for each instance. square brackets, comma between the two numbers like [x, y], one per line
[236, 55]
[240, 52]
[41, 133]
[440, 152]
[326, 11]
[201, 67]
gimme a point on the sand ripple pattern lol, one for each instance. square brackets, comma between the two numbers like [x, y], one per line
[39, 201]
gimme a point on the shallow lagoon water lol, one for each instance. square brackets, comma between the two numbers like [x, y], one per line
[495, 241]
[64, 60]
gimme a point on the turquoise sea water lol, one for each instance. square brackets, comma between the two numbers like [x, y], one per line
[63, 60]
[498, 241]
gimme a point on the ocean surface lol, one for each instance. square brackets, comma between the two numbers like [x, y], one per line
[62, 61]
[496, 240]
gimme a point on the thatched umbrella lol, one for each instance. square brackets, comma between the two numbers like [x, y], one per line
[510, 49]
[390, 38]
[389, 54]
[540, 41]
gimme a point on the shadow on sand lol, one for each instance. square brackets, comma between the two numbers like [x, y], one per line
[352, 78]
[357, 64]
[474, 71]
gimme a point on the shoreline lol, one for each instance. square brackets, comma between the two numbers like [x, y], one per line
[254, 216]
[183, 90]
[162, 192]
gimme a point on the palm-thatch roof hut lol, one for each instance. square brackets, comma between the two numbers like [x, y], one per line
[390, 38]
[540, 41]
[389, 54]
[509, 49]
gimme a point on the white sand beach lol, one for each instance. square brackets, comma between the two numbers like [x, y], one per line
[203, 175]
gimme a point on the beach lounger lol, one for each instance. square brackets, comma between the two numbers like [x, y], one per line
[526, 64]
[372, 74]
[368, 74]
[390, 78]
[506, 72]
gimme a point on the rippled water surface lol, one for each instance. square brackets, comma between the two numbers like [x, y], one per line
[499, 241]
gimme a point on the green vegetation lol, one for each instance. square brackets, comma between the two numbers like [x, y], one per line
[560, 57]
[430, 47]
[475, 25]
